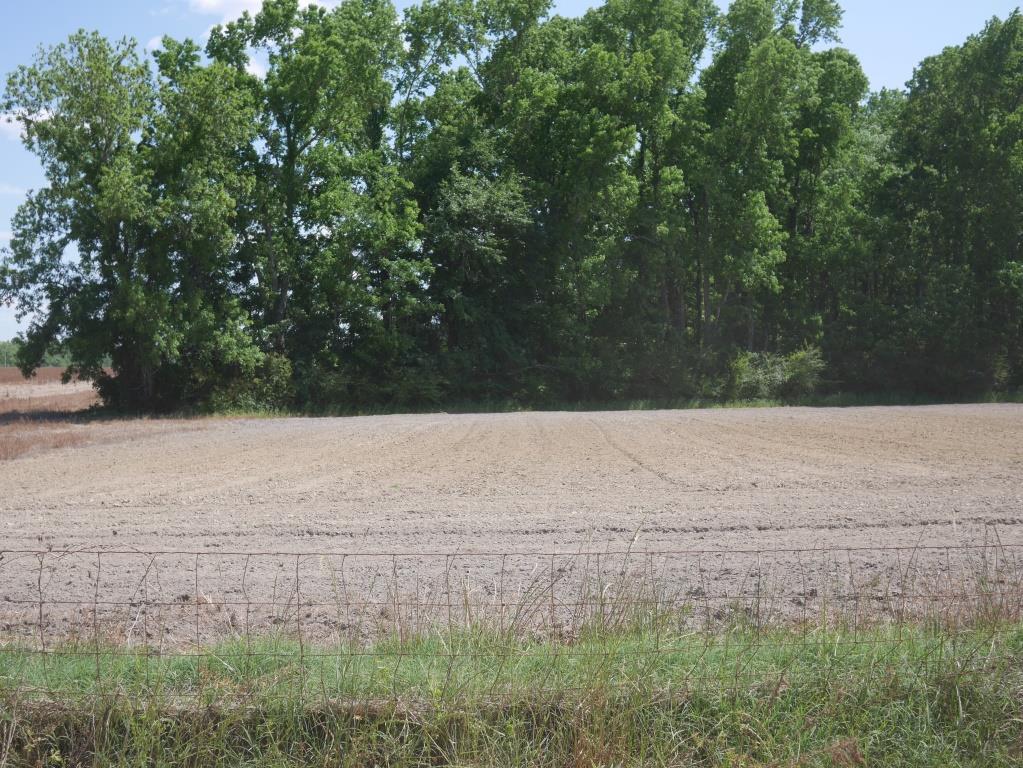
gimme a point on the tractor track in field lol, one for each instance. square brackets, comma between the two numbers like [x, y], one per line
[653, 481]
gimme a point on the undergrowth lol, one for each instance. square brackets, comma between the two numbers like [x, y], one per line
[653, 696]
[834, 400]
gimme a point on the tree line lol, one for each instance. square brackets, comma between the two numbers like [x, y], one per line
[9, 356]
[479, 200]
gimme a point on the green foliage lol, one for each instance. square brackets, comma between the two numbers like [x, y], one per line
[141, 186]
[766, 376]
[959, 142]
[901, 695]
[481, 202]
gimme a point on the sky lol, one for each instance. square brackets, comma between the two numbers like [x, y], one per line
[889, 36]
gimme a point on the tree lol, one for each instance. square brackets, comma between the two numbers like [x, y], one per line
[124, 255]
[956, 233]
[327, 235]
[481, 200]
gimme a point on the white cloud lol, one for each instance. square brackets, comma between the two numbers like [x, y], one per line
[232, 9]
[154, 44]
[9, 129]
[5, 236]
[256, 68]
[10, 189]
[228, 9]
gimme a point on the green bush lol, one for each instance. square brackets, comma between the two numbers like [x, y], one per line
[767, 376]
[266, 387]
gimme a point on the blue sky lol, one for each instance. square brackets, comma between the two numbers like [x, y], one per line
[889, 36]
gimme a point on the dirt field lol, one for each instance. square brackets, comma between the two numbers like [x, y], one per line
[720, 480]
[683, 479]
[43, 392]
[42, 414]
[33, 411]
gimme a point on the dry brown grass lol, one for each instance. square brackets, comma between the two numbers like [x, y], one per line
[44, 405]
[39, 413]
[42, 414]
[26, 436]
[42, 376]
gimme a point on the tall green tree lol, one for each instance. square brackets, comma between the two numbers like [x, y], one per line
[125, 255]
[956, 232]
[328, 235]
[481, 200]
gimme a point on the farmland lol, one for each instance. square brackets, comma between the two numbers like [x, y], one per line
[682, 479]
[409, 587]
[487, 384]
[44, 392]
[42, 414]
[497, 489]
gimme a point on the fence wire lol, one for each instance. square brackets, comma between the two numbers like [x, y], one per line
[232, 626]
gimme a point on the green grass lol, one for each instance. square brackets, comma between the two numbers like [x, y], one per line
[834, 400]
[895, 695]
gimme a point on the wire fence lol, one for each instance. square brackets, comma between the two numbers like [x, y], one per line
[234, 626]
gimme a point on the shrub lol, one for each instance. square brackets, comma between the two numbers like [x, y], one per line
[767, 376]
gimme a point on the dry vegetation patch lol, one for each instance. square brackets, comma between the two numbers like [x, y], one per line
[40, 413]
[43, 414]
[43, 394]
[27, 436]
[11, 375]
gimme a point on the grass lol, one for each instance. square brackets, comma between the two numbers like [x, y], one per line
[36, 415]
[627, 681]
[832, 400]
[20, 439]
[913, 695]
[838, 400]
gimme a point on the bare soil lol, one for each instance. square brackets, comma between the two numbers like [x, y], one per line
[43, 393]
[9, 375]
[380, 509]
